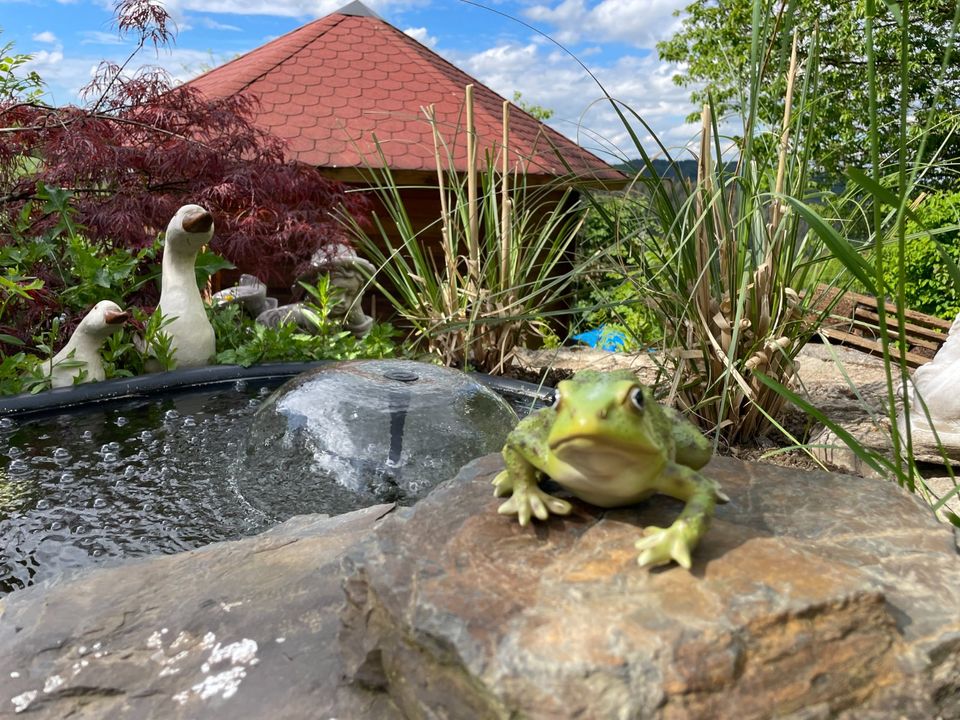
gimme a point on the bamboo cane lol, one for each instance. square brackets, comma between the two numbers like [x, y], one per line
[505, 229]
[473, 236]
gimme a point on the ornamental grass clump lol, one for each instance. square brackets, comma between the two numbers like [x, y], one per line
[502, 265]
[729, 267]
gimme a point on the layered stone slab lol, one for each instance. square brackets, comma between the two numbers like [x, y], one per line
[814, 595]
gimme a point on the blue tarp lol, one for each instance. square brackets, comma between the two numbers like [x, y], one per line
[602, 338]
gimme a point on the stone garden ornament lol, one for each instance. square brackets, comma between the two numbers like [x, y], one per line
[936, 387]
[79, 360]
[607, 441]
[348, 275]
[192, 337]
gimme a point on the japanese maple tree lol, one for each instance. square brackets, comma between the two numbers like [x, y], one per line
[139, 147]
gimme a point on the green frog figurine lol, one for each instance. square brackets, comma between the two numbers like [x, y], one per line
[607, 441]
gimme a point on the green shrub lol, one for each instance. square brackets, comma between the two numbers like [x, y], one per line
[928, 286]
[608, 287]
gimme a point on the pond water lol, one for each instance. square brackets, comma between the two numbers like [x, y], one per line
[126, 479]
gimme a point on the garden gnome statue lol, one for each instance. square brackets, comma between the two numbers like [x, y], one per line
[349, 274]
[936, 386]
[79, 360]
[193, 342]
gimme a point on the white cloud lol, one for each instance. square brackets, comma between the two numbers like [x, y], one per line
[288, 8]
[581, 111]
[636, 22]
[212, 24]
[421, 35]
[99, 37]
[45, 37]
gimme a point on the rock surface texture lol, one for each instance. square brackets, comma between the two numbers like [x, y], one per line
[812, 596]
[236, 630]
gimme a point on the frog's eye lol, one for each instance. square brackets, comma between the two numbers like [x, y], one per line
[636, 398]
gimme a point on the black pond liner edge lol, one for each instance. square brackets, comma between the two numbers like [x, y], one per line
[87, 395]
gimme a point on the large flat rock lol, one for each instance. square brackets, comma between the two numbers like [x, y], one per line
[243, 629]
[813, 595]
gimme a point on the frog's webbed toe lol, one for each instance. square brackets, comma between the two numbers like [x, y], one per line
[531, 501]
[659, 546]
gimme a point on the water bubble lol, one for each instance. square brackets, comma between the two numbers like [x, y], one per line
[110, 447]
[146, 435]
[87, 435]
[61, 453]
[43, 504]
[264, 391]
[7, 424]
[253, 402]
[240, 385]
[14, 452]
[189, 421]
[18, 467]
[121, 421]
[99, 503]
[129, 471]
[171, 415]
[111, 458]
[67, 478]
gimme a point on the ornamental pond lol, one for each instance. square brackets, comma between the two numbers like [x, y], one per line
[179, 470]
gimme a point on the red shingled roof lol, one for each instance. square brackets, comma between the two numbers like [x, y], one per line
[328, 86]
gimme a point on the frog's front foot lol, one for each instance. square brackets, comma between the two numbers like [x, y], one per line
[661, 545]
[527, 500]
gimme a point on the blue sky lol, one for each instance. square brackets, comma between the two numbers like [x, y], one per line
[614, 38]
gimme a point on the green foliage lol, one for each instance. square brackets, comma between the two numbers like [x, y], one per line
[928, 285]
[537, 111]
[607, 290]
[241, 341]
[14, 83]
[713, 48]
[94, 271]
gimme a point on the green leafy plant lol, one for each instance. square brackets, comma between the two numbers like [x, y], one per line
[14, 83]
[932, 230]
[241, 341]
[606, 288]
[499, 272]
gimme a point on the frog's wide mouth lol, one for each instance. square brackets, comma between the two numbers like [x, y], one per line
[587, 443]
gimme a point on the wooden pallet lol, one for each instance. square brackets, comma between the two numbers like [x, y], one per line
[859, 327]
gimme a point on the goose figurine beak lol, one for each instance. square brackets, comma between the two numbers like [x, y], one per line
[197, 221]
[111, 317]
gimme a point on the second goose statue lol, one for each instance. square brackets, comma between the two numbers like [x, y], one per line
[191, 334]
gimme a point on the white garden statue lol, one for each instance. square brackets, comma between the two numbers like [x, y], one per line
[937, 385]
[192, 339]
[79, 361]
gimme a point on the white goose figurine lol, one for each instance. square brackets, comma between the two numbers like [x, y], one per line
[103, 320]
[191, 334]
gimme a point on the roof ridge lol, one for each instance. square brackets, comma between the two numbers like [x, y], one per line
[335, 21]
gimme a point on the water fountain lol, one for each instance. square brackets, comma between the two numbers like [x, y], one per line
[169, 462]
